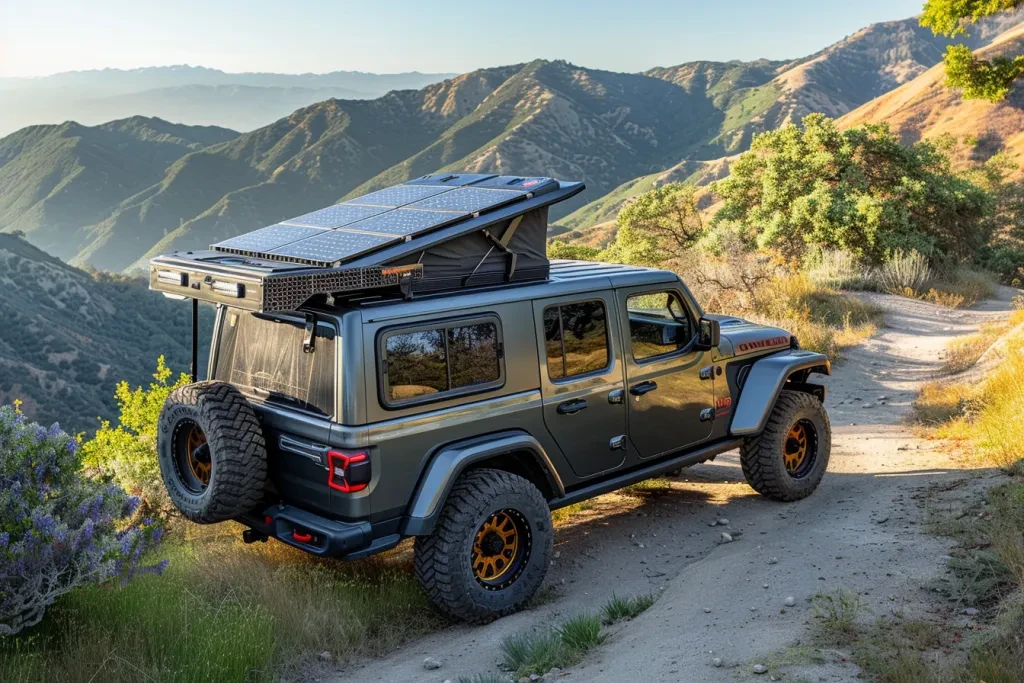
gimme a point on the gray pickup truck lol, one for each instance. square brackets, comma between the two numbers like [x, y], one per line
[410, 364]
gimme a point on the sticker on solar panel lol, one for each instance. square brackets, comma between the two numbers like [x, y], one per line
[403, 222]
[399, 195]
[336, 216]
[332, 246]
[265, 239]
[468, 200]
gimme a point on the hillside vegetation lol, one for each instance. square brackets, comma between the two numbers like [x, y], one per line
[886, 73]
[68, 336]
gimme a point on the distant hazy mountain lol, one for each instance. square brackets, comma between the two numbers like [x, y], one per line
[188, 94]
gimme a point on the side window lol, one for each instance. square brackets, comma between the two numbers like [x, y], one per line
[438, 362]
[658, 324]
[575, 339]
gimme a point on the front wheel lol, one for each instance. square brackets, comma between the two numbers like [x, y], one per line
[788, 459]
[491, 548]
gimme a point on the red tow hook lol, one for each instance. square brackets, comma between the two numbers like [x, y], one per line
[301, 538]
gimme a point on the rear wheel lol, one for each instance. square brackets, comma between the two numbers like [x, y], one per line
[788, 459]
[491, 548]
[211, 452]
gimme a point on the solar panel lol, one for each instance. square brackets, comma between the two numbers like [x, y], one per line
[468, 200]
[265, 239]
[399, 195]
[408, 221]
[336, 216]
[331, 246]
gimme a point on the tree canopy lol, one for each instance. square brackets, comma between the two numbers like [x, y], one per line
[978, 78]
[859, 190]
[657, 226]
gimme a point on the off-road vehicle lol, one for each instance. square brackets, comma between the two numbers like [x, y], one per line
[409, 363]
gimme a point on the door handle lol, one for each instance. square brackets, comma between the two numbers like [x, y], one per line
[571, 407]
[643, 387]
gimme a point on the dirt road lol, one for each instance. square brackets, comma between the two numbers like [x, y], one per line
[861, 531]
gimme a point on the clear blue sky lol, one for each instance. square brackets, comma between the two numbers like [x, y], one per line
[39, 37]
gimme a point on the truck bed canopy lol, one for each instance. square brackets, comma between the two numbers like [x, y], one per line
[444, 231]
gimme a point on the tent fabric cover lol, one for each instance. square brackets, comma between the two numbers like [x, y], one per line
[448, 264]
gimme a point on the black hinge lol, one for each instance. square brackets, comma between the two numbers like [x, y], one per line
[707, 373]
[707, 415]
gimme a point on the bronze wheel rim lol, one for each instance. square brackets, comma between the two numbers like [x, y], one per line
[501, 548]
[192, 455]
[800, 449]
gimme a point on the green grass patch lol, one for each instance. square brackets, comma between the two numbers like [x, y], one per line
[538, 652]
[620, 609]
[223, 611]
[836, 615]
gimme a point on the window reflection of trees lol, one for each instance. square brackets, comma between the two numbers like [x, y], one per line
[439, 360]
[579, 344]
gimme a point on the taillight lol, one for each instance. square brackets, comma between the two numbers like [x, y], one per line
[348, 472]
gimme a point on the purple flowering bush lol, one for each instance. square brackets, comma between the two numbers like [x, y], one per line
[58, 528]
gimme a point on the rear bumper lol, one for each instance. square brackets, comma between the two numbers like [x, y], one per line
[318, 535]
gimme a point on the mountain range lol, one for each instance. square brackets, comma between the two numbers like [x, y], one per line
[111, 196]
[187, 94]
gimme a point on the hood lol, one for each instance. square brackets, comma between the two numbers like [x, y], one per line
[743, 338]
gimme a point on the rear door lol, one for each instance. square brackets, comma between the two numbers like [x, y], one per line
[582, 380]
[669, 384]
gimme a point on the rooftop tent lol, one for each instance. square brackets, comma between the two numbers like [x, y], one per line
[434, 233]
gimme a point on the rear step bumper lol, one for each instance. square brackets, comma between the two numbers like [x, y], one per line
[319, 535]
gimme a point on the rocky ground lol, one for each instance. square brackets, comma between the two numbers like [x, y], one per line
[724, 607]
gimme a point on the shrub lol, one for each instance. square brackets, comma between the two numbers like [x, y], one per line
[837, 269]
[58, 529]
[128, 452]
[905, 270]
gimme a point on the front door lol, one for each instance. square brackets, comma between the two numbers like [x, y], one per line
[582, 380]
[666, 390]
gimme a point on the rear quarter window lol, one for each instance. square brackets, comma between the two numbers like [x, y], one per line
[439, 361]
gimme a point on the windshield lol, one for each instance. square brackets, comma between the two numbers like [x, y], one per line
[264, 358]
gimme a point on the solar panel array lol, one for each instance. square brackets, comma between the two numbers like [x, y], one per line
[345, 231]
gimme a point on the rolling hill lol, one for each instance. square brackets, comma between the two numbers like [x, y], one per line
[57, 179]
[69, 336]
[923, 108]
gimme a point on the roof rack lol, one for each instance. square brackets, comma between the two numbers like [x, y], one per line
[438, 232]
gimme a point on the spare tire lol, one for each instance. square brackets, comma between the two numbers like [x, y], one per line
[211, 452]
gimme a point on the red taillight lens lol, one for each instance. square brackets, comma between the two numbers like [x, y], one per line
[348, 472]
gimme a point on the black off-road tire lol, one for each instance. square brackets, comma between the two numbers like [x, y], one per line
[237, 452]
[443, 559]
[762, 456]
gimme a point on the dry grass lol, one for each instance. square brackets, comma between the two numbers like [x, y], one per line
[964, 352]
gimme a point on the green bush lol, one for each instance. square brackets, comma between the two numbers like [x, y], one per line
[128, 452]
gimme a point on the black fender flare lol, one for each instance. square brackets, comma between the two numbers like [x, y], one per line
[767, 378]
[450, 461]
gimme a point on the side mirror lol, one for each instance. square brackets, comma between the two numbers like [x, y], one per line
[709, 335]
